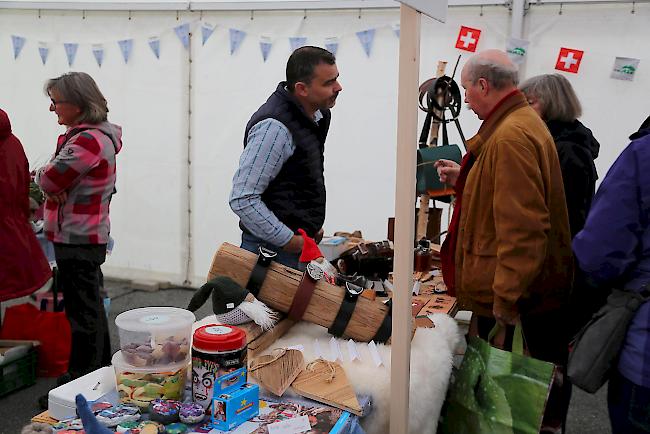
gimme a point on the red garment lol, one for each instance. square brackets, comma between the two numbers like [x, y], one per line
[448, 249]
[23, 266]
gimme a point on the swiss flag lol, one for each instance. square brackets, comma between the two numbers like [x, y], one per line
[468, 38]
[569, 60]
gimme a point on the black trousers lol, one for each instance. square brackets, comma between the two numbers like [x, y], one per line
[79, 277]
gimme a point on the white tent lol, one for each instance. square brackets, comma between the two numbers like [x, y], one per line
[174, 111]
[183, 113]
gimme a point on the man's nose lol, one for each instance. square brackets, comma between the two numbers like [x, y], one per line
[338, 87]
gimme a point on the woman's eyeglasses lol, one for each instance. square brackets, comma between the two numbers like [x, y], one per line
[54, 103]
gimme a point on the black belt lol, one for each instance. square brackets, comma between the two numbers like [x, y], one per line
[344, 314]
[385, 329]
[258, 274]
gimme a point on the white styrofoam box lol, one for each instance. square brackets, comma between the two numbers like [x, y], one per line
[98, 385]
[332, 247]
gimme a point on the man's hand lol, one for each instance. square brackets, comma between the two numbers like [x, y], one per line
[448, 171]
[57, 198]
[294, 245]
[503, 319]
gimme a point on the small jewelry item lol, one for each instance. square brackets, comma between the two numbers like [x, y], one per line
[164, 410]
[191, 412]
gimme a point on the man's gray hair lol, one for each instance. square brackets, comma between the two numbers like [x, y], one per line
[79, 89]
[498, 75]
[557, 99]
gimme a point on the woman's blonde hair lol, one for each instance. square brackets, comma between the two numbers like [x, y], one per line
[79, 89]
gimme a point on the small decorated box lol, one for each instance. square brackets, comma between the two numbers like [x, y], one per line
[230, 382]
[232, 409]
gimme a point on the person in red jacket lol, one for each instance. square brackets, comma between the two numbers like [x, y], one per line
[23, 266]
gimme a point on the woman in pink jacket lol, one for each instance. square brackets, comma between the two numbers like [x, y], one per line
[79, 182]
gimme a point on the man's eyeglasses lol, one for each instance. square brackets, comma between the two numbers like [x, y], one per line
[54, 103]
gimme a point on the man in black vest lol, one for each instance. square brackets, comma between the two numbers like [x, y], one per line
[279, 186]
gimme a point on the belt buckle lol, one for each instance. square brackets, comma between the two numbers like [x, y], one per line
[266, 255]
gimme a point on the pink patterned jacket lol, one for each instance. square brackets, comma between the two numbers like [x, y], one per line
[83, 168]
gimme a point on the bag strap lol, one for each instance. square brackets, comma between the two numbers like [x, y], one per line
[517, 338]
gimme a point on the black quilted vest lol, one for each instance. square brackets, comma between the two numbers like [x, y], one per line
[297, 195]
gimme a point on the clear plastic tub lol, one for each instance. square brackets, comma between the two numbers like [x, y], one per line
[155, 336]
[141, 385]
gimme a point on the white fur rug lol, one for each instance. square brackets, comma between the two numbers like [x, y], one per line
[431, 362]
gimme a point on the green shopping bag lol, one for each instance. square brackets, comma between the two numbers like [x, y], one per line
[496, 391]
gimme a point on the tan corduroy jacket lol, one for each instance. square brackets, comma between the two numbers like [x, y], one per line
[514, 244]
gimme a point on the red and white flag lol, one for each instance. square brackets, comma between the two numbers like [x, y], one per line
[468, 38]
[569, 60]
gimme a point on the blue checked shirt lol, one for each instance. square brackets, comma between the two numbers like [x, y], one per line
[268, 147]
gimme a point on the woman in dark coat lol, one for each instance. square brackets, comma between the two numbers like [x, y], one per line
[23, 266]
[553, 98]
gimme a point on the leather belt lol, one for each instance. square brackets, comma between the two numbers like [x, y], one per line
[258, 274]
[385, 329]
[352, 293]
[304, 292]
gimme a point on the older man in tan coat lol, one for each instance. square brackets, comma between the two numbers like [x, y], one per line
[508, 251]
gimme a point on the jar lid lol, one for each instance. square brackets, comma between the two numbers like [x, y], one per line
[154, 318]
[217, 337]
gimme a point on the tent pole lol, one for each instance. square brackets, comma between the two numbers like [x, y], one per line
[407, 117]
[188, 241]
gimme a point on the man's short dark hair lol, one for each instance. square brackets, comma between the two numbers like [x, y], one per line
[303, 61]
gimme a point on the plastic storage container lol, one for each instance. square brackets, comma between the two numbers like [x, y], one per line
[141, 385]
[155, 336]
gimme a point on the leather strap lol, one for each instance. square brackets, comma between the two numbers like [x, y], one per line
[302, 297]
[345, 312]
[385, 329]
[258, 274]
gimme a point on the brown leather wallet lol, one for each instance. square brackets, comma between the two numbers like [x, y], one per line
[304, 292]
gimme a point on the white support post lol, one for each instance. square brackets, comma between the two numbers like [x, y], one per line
[517, 19]
[409, 68]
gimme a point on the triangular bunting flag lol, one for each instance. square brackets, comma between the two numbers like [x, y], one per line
[265, 46]
[98, 52]
[236, 38]
[367, 37]
[332, 44]
[43, 51]
[206, 31]
[126, 45]
[18, 43]
[183, 33]
[396, 29]
[154, 44]
[297, 42]
[70, 51]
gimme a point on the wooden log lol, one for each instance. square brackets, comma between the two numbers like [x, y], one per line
[280, 286]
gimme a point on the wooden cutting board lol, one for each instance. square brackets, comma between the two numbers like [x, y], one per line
[314, 383]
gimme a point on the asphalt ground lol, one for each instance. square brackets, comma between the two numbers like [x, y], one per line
[587, 414]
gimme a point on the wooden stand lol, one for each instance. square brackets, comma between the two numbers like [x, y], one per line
[280, 286]
[423, 212]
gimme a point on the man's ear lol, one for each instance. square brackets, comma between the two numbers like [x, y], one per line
[300, 89]
[483, 85]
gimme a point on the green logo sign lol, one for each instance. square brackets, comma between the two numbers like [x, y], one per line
[628, 69]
